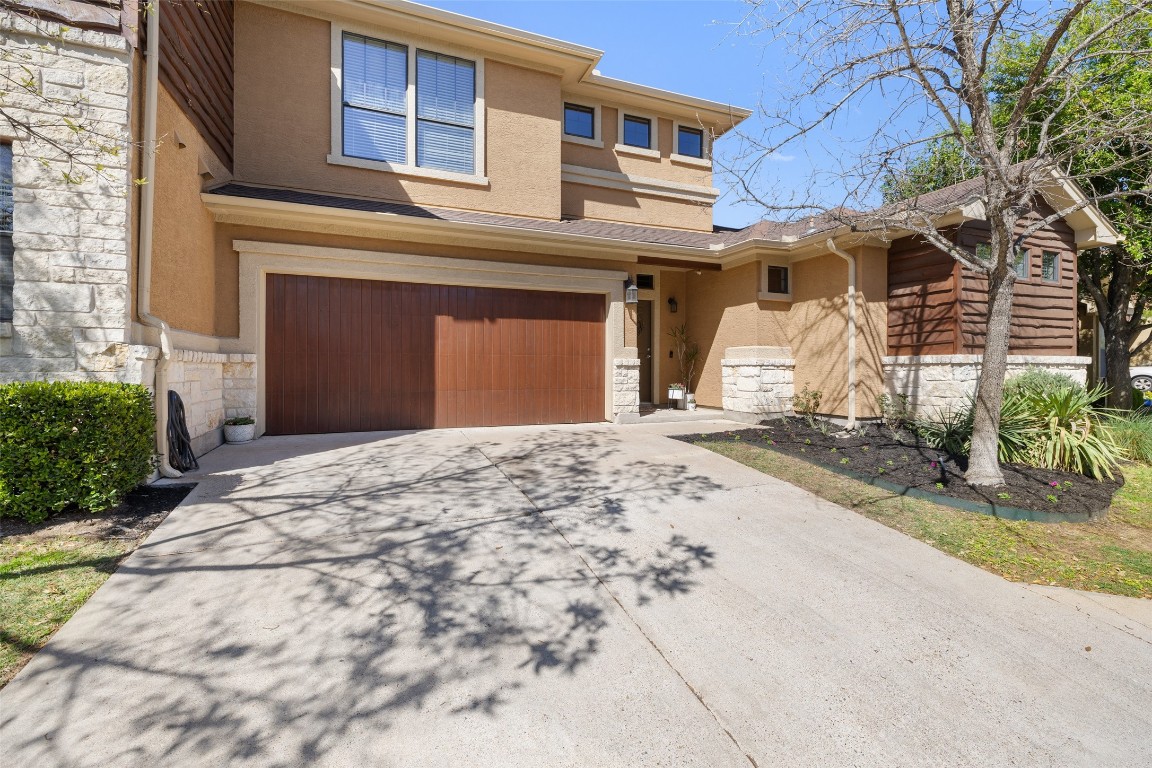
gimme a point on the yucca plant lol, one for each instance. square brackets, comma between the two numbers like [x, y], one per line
[952, 431]
[1073, 435]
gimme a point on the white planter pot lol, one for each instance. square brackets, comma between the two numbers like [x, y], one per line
[239, 433]
[690, 402]
[675, 394]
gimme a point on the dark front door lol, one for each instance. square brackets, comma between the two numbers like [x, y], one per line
[347, 355]
[644, 347]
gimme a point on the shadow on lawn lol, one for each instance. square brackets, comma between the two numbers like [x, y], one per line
[261, 627]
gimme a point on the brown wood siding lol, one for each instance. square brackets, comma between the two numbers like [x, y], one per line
[936, 307]
[1043, 314]
[921, 299]
[345, 355]
[196, 66]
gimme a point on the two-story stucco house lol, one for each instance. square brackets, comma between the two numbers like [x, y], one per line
[370, 215]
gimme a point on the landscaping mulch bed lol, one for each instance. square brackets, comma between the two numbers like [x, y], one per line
[902, 459]
[141, 511]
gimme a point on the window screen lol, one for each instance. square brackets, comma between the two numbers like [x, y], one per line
[1050, 267]
[375, 104]
[776, 280]
[445, 112]
[690, 142]
[7, 273]
[637, 132]
[579, 121]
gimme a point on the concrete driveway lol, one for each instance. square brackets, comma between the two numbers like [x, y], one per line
[583, 596]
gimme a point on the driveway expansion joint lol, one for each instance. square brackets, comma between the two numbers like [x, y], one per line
[624, 609]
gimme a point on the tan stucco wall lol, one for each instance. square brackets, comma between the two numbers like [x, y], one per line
[283, 124]
[184, 263]
[818, 321]
[582, 201]
[722, 312]
[585, 202]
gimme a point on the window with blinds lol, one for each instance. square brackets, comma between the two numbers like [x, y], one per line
[7, 271]
[445, 112]
[375, 99]
[378, 121]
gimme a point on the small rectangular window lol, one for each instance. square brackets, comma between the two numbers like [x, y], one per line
[637, 132]
[776, 280]
[1050, 267]
[1023, 265]
[7, 269]
[984, 252]
[690, 142]
[580, 121]
[645, 282]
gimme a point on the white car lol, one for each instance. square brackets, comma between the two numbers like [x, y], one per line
[1141, 377]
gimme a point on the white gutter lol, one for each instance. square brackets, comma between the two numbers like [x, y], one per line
[147, 207]
[851, 329]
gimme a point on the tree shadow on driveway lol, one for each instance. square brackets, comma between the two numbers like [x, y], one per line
[390, 602]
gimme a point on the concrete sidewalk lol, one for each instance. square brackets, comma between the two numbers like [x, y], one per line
[555, 596]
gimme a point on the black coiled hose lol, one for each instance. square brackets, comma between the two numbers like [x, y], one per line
[180, 454]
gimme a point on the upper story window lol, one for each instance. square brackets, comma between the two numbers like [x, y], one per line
[407, 110]
[7, 272]
[690, 142]
[579, 121]
[776, 280]
[1050, 267]
[445, 112]
[637, 132]
[375, 99]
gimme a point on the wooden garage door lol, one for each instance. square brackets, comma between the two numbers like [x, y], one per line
[347, 355]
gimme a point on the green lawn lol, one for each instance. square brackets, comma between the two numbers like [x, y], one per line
[42, 583]
[1113, 555]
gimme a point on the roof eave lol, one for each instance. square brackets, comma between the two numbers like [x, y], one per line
[237, 209]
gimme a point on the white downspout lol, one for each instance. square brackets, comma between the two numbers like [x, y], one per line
[851, 330]
[147, 206]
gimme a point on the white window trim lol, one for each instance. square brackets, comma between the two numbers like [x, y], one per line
[1059, 265]
[699, 162]
[763, 294]
[628, 149]
[597, 139]
[336, 154]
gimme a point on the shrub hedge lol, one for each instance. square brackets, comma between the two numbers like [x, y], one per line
[72, 443]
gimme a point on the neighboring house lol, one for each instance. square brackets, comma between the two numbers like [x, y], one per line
[378, 215]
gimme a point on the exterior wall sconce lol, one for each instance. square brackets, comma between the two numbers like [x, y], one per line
[631, 292]
[672, 305]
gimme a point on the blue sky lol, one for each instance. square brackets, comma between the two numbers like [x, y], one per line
[689, 46]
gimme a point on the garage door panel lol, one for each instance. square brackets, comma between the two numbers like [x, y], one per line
[359, 355]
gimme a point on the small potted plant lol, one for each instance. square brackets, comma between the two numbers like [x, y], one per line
[676, 392]
[240, 429]
[687, 353]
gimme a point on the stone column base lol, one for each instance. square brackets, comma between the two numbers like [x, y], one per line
[626, 389]
[760, 386]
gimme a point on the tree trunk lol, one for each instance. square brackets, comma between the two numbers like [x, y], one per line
[1117, 372]
[984, 458]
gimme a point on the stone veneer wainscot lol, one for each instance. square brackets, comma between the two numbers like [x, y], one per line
[70, 301]
[936, 383]
[758, 382]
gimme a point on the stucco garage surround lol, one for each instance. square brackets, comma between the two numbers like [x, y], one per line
[259, 259]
